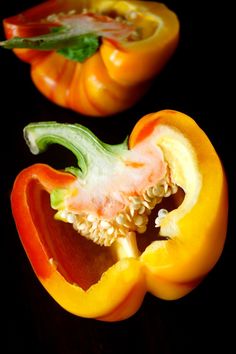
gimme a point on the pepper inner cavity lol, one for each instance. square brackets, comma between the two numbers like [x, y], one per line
[131, 220]
[144, 23]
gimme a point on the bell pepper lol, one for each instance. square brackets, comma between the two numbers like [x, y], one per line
[124, 45]
[147, 215]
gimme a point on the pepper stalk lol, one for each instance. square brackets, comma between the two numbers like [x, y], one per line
[93, 158]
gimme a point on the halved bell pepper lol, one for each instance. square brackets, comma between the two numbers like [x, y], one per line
[129, 44]
[148, 215]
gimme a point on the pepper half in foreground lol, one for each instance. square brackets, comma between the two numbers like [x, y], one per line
[147, 215]
[96, 57]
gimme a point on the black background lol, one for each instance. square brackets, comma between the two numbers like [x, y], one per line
[197, 82]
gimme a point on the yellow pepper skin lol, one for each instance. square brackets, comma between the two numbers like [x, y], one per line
[193, 232]
[198, 227]
[118, 74]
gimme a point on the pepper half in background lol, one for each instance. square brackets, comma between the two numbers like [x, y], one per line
[95, 57]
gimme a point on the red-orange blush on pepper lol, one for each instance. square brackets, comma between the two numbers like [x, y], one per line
[149, 214]
[96, 57]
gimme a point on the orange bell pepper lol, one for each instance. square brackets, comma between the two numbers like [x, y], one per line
[148, 215]
[118, 73]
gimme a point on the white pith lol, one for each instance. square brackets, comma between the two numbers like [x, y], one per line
[171, 149]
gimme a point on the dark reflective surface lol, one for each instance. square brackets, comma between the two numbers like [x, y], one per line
[196, 81]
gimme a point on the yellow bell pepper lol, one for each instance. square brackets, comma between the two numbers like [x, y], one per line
[148, 215]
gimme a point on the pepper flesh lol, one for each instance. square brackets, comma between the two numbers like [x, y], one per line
[118, 74]
[79, 274]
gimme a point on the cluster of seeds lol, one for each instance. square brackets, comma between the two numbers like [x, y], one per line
[54, 17]
[129, 19]
[134, 218]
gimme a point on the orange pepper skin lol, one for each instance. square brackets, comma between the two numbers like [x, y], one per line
[169, 269]
[149, 57]
[113, 79]
[86, 87]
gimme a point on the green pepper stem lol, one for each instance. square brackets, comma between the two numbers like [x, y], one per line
[87, 148]
[77, 47]
[50, 41]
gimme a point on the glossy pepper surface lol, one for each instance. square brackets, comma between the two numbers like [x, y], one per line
[135, 39]
[146, 215]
